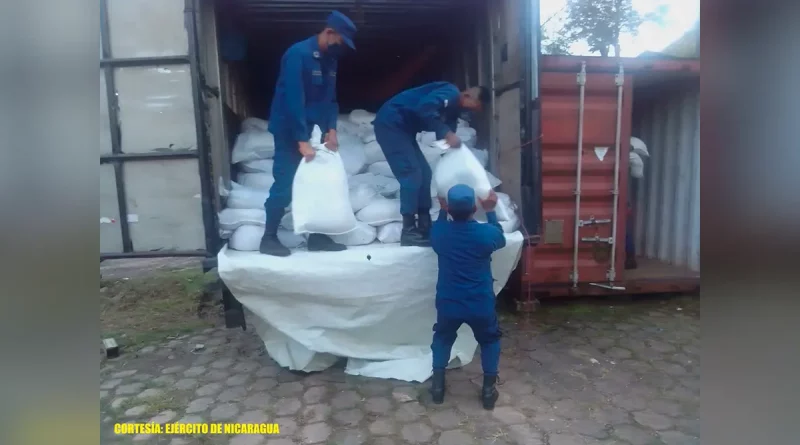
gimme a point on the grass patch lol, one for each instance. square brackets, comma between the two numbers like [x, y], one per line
[143, 310]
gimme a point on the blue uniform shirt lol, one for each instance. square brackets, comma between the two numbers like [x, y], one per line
[465, 259]
[430, 107]
[305, 94]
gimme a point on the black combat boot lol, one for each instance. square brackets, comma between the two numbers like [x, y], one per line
[270, 245]
[489, 393]
[318, 242]
[424, 224]
[437, 386]
[411, 236]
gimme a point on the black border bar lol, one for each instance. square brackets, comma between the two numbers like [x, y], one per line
[148, 156]
[106, 61]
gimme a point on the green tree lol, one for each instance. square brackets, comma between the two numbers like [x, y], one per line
[556, 43]
[600, 23]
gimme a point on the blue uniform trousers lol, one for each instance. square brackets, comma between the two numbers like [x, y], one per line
[409, 166]
[484, 326]
[285, 162]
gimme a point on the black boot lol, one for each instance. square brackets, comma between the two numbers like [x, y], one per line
[318, 242]
[270, 245]
[489, 393]
[411, 236]
[424, 224]
[437, 386]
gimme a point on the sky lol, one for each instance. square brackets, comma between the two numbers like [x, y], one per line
[681, 16]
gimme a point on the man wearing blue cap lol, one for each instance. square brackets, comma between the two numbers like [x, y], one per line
[305, 95]
[431, 107]
[464, 291]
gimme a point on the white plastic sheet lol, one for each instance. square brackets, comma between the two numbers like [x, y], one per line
[372, 304]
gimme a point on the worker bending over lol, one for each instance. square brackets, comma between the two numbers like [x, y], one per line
[305, 95]
[464, 292]
[432, 107]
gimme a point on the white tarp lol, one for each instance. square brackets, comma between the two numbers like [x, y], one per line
[373, 304]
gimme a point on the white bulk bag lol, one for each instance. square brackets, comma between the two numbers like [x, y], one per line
[432, 154]
[481, 155]
[459, 166]
[426, 138]
[494, 181]
[345, 127]
[253, 145]
[231, 219]
[241, 197]
[248, 238]
[290, 239]
[385, 186]
[638, 146]
[467, 135]
[381, 168]
[257, 166]
[462, 123]
[368, 135]
[361, 195]
[320, 197]
[287, 222]
[259, 181]
[362, 235]
[390, 233]
[361, 117]
[352, 151]
[254, 124]
[390, 189]
[380, 211]
[636, 165]
[373, 152]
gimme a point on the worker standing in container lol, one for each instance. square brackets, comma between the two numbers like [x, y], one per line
[433, 107]
[465, 286]
[305, 95]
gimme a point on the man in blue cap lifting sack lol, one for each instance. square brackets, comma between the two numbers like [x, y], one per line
[305, 95]
[464, 291]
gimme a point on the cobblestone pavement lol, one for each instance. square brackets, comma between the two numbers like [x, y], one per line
[607, 374]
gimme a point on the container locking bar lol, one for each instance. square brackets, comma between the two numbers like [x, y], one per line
[597, 239]
[592, 221]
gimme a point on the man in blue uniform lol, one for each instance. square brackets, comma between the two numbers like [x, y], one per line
[464, 291]
[305, 95]
[432, 107]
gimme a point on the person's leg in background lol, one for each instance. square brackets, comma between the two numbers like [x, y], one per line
[444, 336]
[487, 333]
[284, 167]
[424, 201]
[399, 150]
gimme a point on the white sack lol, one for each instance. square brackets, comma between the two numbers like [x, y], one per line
[636, 165]
[494, 181]
[482, 156]
[391, 188]
[384, 185]
[390, 233]
[248, 238]
[287, 222]
[380, 211]
[352, 151]
[253, 145]
[231, 218]
[320, 198]
[225, 234]
[361, 117]
[241, 197]
[361, 195]
[254, 124]
[381, 168]
[368, 135]
[290, 239]
[638, 146]
[432, 154]
[344, 126]
[381, 324]
[259, 181]
[459, 166]
[467, 135]
[362, 235]
[462, 123]
[257, 166]
[373, 152]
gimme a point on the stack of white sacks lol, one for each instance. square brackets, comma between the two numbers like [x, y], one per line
[373, 189]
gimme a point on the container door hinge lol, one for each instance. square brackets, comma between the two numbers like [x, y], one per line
[608, 286]
[619, 78]
[581, 78]
[592, 221]
[597, 239]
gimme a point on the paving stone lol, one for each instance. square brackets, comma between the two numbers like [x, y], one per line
[117, 403]
[348, 417]
[164, 417]
[280, 442]
[110, 384]
[345, 399]
[618, 353]
[416, 433]
[405, 394]
[136, 411]
[382, 427]
[224, 412]
[288, 389]
[508, 415]
[349, 437]
[316, 433]
[143, 437]
[179, 441]
[147, 350]
[186, 384]
[164, 380]
[590, 428]
[235, 394]
[258, 400]
[455, 437]
[633, 434]
[268, 371]
[246, 366]
[445, 420]
[263, 384]
[236, 380]
[188, 419]
[550, 423]
[314, 394]
[630, 403]
[195, 371]
[565, 439]
[247, 439]
[287, 407]
[103, 394]
[378, 405]
[223, 363]
[131, 388]
[199, 405]
[315, 413]
[522, 434]
[254, 416]
[409, 412]
[653, 420]
[376, 388]
[660, 346]
[150, 393]
[123, 374]
[172, 370]
[209, 389]
[385, 441]
[216, 374]
[677, 438]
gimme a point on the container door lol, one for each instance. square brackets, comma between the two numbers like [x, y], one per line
[155, 181]
[586, 135]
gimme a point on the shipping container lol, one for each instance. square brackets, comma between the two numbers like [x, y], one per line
[179, 76]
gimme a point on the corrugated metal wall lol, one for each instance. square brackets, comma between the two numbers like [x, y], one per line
[668, 197]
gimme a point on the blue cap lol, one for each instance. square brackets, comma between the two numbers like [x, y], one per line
[461, 198]
[344, 26]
